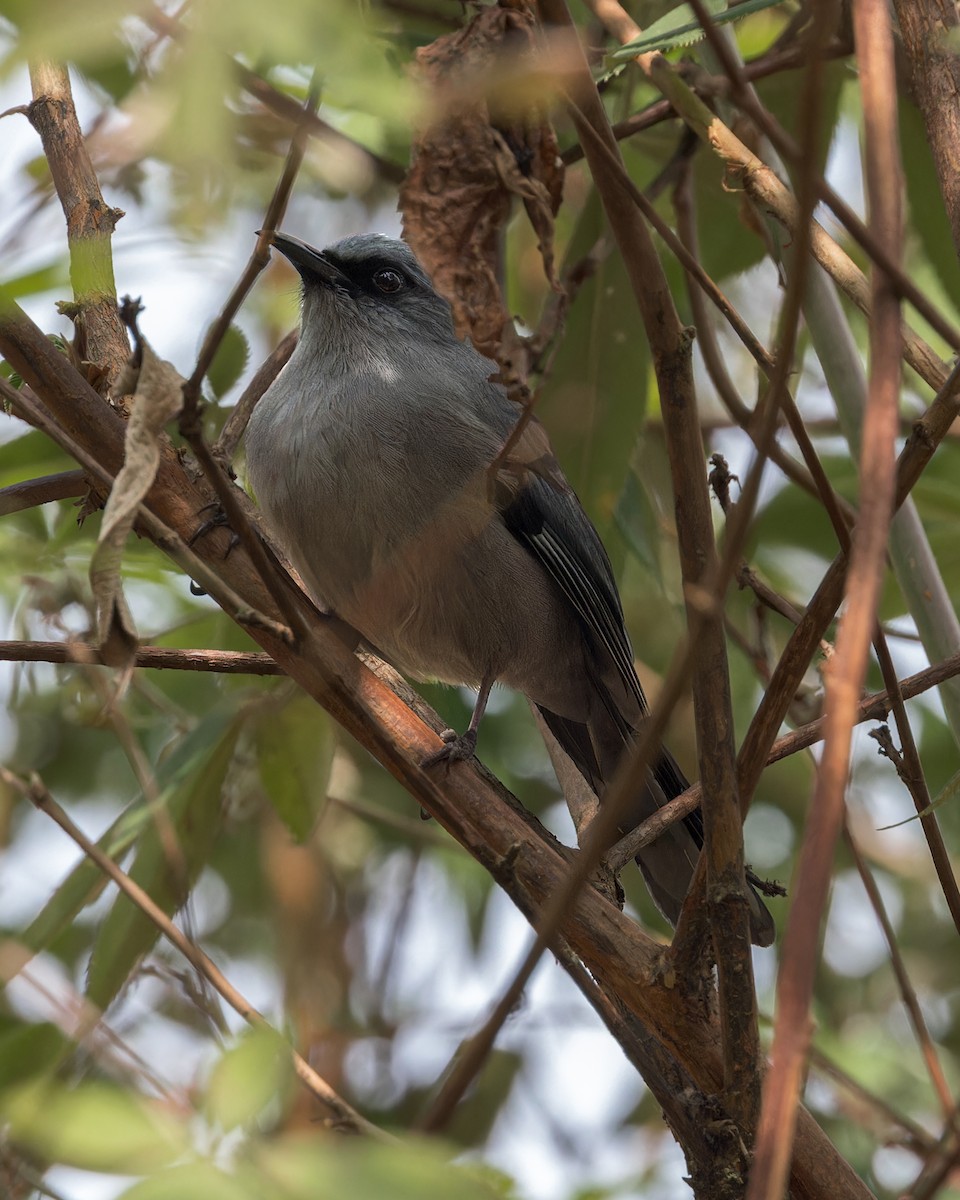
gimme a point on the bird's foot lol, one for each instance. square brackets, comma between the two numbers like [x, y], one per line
[217, 520]
[457, 747]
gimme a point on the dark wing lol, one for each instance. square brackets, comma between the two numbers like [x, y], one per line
[548, 520]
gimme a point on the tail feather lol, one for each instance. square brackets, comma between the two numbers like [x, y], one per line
[668, 864]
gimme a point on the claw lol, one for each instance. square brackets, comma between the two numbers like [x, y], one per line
[217, 521]
[458, 747]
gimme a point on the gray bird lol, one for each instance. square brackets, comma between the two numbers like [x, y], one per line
[377, 459]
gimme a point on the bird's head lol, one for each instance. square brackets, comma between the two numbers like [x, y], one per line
[368, 286]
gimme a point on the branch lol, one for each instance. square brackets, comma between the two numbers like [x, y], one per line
[226, 444]
[190, 425]
[907, 990]
[790, 58]
[221, 662]
[101, 340]
[45, 488]
[770, 194]
[727, 906]
[871, 708]
[347, 1117]
[466, 802]
[768, 1179]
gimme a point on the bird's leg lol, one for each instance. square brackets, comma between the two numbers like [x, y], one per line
[460, 746]
[217, 520]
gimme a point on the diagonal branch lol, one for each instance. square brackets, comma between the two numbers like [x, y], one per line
[346, 1116]
[468, 803]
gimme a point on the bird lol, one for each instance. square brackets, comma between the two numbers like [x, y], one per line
[423, 507]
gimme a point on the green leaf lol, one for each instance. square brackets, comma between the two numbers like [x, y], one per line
[27, 1051]
[229, 361]
[637, 521]
[595, 401]
[194, 1181]
[249, 1078]
[84, 883]
[301, 1168]
[295, 748]
[40, 279]
[680, 27]
[193, 808]
[928, 216]
[94, 1127]
[29, 456]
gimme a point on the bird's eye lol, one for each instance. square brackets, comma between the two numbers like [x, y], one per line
[388, 281]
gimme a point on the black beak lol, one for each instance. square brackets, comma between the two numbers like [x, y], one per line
[309, 262]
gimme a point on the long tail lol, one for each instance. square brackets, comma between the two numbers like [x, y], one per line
[668, 864]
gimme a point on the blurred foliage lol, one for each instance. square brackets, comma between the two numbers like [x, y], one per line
[367, 937]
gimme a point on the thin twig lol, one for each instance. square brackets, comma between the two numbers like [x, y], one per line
[190, 423]
[220, 662]
[766, 189]
[226, 444]
[879, 254]
[78, 1019]
[771, 63]
[781, 1093]
[161, 533]
[170, 25]
[346, 1116]
[918, 1139]
[915, 781]
[907, 990]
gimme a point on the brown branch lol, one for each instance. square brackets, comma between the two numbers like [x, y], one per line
[917, 1138]
[911, 772]
[776, 395]
[288, 108]
[346, 1116]
[937, 1169]
[872, 708]
[220, 662]
[927, 434]
[929, 31]
[796, 154]
[713, 358]
[90, 223]
[727, 907]
[162, 534]
[874, 42]
[43, 490]
[771, 195]
[226, 444]
[790, 58]
[480, 815]
[762, 437]
[190, 423]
